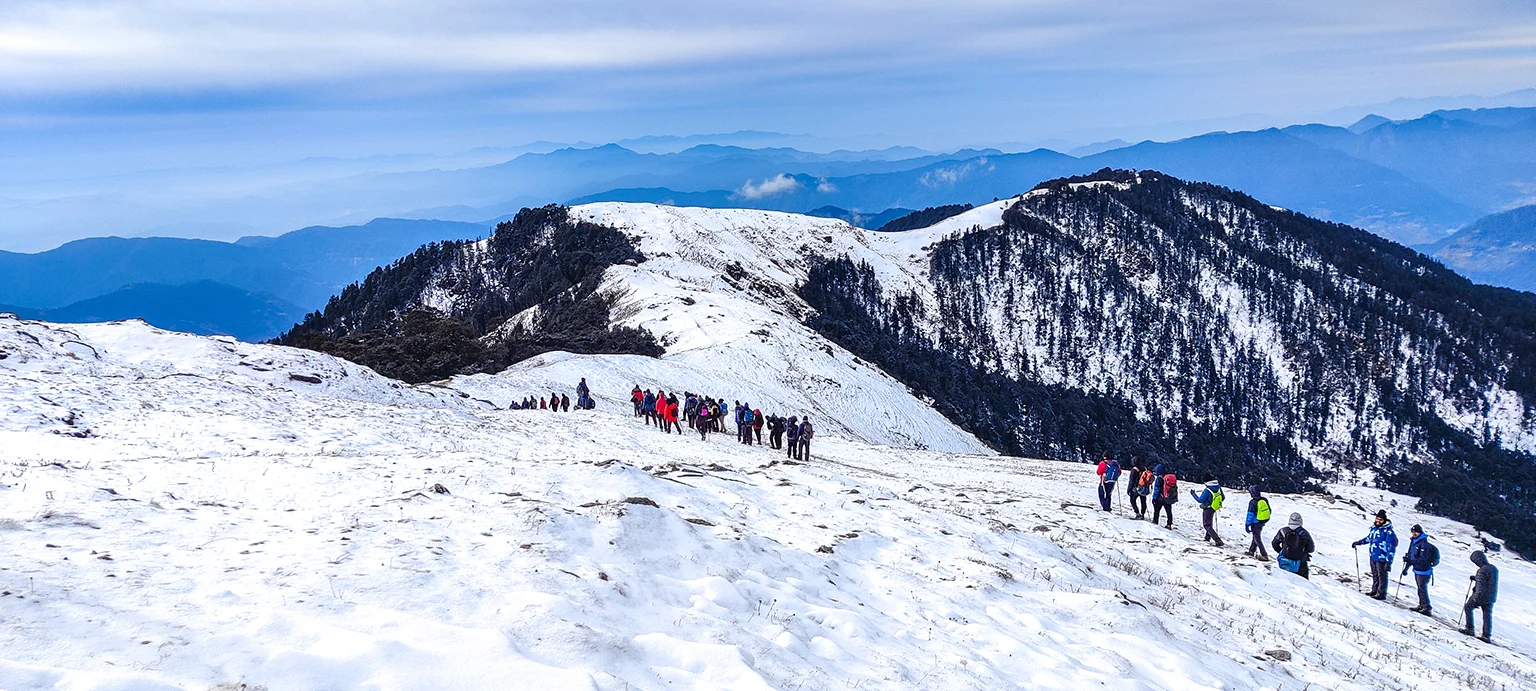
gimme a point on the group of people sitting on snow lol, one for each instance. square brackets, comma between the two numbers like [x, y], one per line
[1293, 545]
[705, 414]
[558, 402]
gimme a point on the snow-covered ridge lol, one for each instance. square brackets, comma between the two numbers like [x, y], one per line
[718, 291]
[225, 525]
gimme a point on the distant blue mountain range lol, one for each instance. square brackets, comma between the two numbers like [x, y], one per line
[204, 307]
[1499, 249]
[1303, 169]
[261, 280]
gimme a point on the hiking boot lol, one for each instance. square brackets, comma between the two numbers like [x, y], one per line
[1485, 639]
[1466, 631]
[1426, 611]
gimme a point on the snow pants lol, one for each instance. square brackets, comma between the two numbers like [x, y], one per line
[1208, 519]
[794, 443]
[1106, 494]
[1256, 546]
[758, 432]
[805, 450]
[1487, 618]
[775, 440]
[1138, 503]
[1422, 581]
[1158, 507]
[1379, 579]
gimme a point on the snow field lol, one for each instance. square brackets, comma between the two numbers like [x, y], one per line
[280, 533]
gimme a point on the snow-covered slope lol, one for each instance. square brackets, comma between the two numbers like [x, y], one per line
[718, 292]
[217, 522]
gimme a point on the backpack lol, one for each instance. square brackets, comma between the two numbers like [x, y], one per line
[1261, 513]
[1434, 553]
[1112, 471]
[1216, 499]
[1170, 488]
[1292, 540]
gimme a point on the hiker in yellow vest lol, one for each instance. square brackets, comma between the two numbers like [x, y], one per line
[1258, 515]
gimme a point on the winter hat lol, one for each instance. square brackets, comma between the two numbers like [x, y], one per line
[1295, 521]
[1382, 514]
[1416, 529]
[1207, 477]
[1253, 490]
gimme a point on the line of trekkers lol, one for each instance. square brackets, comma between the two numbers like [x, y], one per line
[1293, 545]
[705, 414]
[558, 402]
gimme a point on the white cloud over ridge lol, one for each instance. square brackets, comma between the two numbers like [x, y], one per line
[776, 185]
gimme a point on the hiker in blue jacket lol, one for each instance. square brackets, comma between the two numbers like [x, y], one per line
[792, 432]
[1108, 471]
[1383, 541]
[1210, 500]
[1422, 557]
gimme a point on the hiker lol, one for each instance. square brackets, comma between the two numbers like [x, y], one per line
[1293, 547]
[565, 403]
[637, 398]
[1109, 472]
[691, 409]
[745, 413]
[1165, 493]
[648, 407]
[541, 403]
[806, 432]
[1210, 500]
[554, 402]
[1485, 590]
[794, 436]
[775, 432]
[1132, 477]
[1383, 541]
[757, 425]
[1422, 556]
[703, 423]
[1139, 487]
[581, 389]
[1258, 515]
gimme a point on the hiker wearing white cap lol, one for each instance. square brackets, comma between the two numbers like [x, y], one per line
[1293, 547]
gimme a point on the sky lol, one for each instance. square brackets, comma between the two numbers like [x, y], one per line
[101, 88]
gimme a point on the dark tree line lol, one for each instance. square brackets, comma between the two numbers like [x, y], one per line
[925, 218]
[438, 311]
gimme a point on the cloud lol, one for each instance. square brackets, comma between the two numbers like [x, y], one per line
[825, 186]
[778, 184]
[951, 176]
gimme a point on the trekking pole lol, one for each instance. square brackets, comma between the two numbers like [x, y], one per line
[1399, 594]
[1462, 620]
[1357, 567]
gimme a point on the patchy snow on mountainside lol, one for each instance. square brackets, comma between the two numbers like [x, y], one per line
[181, 512]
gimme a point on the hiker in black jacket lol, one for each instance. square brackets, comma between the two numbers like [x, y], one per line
[1293, 547]
[794, 436]
[1485, 590]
